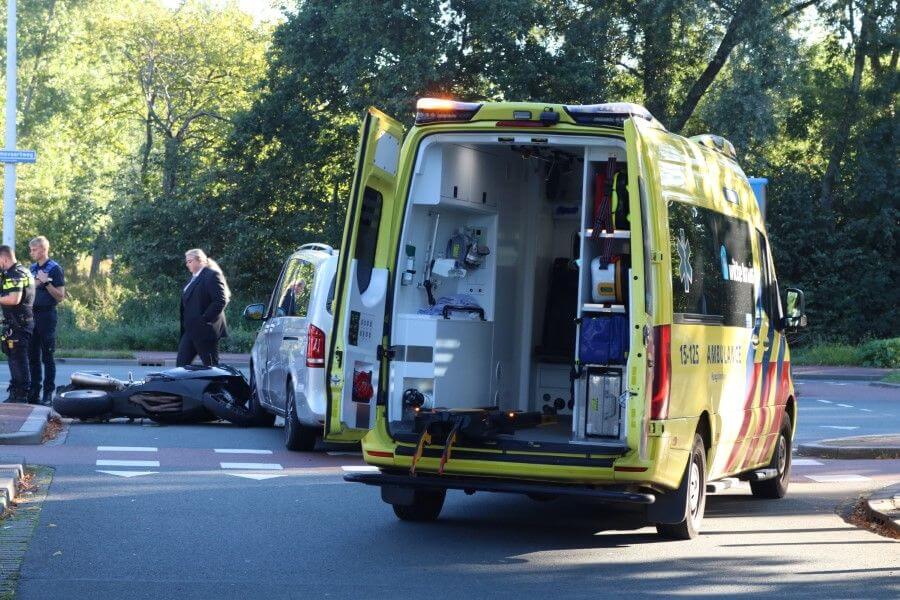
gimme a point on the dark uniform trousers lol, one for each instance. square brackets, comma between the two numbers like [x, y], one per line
[41, 351]
[19, 373]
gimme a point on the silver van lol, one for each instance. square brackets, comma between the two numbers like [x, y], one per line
[287, 363]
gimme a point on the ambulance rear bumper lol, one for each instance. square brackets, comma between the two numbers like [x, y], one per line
[399, 484]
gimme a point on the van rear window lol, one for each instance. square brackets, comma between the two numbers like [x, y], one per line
[712, 267]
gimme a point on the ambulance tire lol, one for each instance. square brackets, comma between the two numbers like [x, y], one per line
[426, 506]
[775, 488]
[695, 480]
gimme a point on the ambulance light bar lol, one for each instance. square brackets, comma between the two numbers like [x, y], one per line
[611, 113]
[439, 110]
[717, 143]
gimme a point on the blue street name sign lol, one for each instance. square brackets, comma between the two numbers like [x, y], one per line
[18, 156]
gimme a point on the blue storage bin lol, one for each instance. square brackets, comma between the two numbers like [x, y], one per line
[604, 340]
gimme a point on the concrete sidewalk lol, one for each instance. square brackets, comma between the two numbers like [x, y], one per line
[884, 506]
[23, 423]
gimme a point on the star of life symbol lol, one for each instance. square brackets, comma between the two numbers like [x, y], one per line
[684, 254]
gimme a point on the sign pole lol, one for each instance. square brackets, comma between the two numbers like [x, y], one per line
[9, 169]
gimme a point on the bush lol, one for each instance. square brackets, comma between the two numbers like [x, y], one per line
[881, 353]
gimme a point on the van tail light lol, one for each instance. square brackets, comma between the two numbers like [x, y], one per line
[315, 347]
[662, 371]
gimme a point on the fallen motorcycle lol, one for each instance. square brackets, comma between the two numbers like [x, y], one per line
[191, 394]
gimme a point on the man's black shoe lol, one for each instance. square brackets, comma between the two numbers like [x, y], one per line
[47, 399]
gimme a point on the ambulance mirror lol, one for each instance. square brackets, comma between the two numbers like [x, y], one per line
[795, 309]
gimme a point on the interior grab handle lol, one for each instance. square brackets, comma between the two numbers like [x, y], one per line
[454, 308]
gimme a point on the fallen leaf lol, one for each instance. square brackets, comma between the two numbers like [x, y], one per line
[51, 525]
[57, 553]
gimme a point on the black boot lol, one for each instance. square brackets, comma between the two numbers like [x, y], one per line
[47, 399]
[33, 395]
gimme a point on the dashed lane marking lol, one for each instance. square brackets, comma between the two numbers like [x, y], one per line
[805, 462]
[841, 427]
[127, 463]
[846, 405]
[240, 451]
[257, 476]
[823, 401]
[252, 466]
[128, 473]
[865, 410]
[126, 449]
[846, 478]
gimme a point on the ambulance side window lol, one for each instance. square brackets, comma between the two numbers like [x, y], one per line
[367, 237]
[712, 268]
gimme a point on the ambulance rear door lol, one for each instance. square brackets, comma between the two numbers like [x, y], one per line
[362, 282]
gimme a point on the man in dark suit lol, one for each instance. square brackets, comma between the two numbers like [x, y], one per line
[203, 302]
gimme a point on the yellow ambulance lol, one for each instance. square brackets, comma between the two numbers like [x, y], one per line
[558, 300]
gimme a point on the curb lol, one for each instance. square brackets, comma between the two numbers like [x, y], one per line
[847, 452]
[885, 384]
[167, 363]
[835, 377]
[11, 473]
[32, 430]
[884, 507]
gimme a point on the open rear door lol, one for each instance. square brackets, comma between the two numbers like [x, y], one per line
[363, 281]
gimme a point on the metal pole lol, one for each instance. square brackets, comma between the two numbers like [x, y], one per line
[9, 169]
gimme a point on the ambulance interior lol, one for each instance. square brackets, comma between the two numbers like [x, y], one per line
[495, 290]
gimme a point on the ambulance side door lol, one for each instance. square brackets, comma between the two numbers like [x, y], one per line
[363, 281]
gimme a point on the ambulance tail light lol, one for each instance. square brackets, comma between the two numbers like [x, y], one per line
[662, 371]
[315, 347]
[439, 110]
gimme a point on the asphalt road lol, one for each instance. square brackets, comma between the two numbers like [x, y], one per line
[213, 511]
[831, 409]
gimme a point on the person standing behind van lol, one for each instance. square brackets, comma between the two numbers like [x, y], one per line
[203, 302]
[50, 290]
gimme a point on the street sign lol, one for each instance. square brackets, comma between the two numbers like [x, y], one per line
[18, 156]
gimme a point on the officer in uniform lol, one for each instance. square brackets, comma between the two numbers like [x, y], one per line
[16, 300]
[50, 290]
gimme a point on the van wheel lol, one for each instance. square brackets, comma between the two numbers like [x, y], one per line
[297, 436]
[426, 506]
[695, 480]
[266, 419]
[781, 461]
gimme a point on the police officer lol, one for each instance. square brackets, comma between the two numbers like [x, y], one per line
[16, 299]
[50, 289]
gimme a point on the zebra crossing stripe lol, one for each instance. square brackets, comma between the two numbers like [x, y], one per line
[127, 449]
[251, 466]
[240, 451]
[127, 463]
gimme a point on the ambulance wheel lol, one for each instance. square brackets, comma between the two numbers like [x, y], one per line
[297, 436]
[695, 480]
[426, 506]
[776, 487]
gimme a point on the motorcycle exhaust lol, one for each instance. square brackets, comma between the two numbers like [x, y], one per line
[98, 381]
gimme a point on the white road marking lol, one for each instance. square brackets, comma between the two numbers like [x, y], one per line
[865, 410]
[240, 451]
[359, 469]
[846, 405]
[837, 383]
[805, 462]
[846, 478]
[128, 473]
[126, 449]
[842, 427]
[127, 463]
[823, 401]
[252, 466]
[257, 476]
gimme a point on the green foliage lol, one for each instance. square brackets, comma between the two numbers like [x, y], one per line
[881, 353]
[161, 129]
